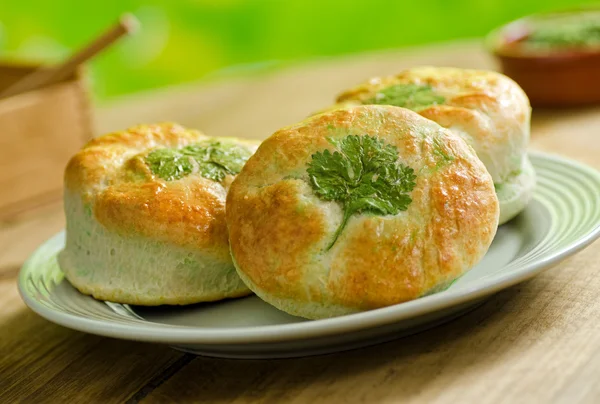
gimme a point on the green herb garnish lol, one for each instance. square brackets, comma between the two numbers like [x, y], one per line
[363, 175]
[573, 32]
[211, 159]
[441, 153]
[411, 96]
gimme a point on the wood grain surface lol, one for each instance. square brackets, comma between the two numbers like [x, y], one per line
[538, 342]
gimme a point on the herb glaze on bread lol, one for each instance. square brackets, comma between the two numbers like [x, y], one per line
[145, 212]
[359, 208]
[487, 109]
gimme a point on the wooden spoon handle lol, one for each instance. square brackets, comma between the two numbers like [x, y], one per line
[49, 75]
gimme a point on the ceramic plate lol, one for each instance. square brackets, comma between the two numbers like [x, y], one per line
[563, 218]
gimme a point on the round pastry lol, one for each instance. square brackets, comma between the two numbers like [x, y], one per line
[487, 109]
[359, 208]
[145, 212]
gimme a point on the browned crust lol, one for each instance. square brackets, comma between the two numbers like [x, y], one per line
[275, 235]
[99, 158]
[411, 260]
[500, 103]
[186, 214]
[279, 229]
[110, 175]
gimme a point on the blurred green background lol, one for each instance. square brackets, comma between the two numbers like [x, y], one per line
[185, 40]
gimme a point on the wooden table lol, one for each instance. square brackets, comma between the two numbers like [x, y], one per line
[536, 342]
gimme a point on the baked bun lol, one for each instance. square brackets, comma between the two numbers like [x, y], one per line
[145, 211]
[359, 208]
[487, 109]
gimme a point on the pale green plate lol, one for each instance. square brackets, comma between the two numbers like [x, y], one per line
[563, 218]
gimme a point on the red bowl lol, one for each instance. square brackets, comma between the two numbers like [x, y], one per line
[550, 77]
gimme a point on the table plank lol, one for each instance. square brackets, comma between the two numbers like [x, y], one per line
[535, 342]
[22, 234]
[44, 362]
[573, 133]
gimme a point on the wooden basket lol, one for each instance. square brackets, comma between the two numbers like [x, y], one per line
[39, 131]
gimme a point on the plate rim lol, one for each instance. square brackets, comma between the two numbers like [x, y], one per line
[173, 334]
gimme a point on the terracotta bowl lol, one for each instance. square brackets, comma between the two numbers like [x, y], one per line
[555, 76]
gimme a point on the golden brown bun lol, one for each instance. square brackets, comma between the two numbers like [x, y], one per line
[133, 237]
[487, 109]
[280, 229]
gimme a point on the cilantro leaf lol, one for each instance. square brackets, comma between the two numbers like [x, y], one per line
[211, 159]
[363, 175]
[411, 96]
